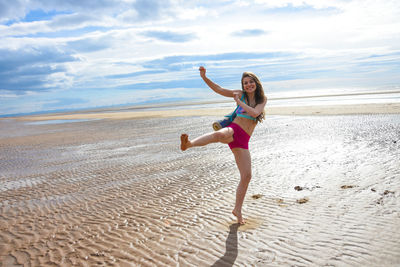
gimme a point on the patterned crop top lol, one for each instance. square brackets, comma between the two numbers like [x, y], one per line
[240, 112]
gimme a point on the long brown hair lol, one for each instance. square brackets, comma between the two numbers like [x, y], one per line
[259, 94]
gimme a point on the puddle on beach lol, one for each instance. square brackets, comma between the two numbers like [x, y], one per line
[251, 224]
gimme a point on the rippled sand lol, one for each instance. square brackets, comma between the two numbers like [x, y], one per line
[325, 191]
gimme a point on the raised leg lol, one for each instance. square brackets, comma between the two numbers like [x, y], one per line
[243, 161]
[223, 136]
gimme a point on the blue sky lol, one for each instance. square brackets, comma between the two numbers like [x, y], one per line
[75, 54]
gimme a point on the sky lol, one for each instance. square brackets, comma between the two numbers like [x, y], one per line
[68, 54]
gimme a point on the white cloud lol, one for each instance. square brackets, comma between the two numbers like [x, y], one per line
[10, 10]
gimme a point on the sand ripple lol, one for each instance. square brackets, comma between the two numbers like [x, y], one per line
[120, 193]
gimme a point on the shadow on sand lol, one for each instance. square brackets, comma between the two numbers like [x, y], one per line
[231, 253]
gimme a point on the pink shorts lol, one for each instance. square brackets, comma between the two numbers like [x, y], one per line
[240, 137]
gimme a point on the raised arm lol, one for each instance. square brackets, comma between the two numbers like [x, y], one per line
[215, 87]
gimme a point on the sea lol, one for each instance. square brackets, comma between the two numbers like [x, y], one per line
[276, 99]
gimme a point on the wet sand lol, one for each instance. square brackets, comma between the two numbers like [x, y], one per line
[118, 192]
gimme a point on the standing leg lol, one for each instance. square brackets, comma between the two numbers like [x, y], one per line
[223, 136]
[243, 161]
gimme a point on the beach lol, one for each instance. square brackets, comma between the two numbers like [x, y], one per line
[114, 189]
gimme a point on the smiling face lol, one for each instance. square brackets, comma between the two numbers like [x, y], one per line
[249, 85]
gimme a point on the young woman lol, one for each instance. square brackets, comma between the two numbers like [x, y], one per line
[251, 101]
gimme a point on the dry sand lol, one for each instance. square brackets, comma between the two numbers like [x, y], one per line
[389, 108]
[325, 192]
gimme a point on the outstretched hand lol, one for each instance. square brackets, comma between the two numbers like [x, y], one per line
[202, 71]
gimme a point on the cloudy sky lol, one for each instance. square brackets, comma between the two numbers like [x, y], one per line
[68, 54]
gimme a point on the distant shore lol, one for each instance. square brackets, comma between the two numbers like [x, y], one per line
[376, 108]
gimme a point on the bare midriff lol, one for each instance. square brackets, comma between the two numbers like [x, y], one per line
[247, 125]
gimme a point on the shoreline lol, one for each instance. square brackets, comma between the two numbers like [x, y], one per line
[345, 109]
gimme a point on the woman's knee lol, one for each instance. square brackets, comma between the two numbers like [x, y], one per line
[220, 136]
[246, 177]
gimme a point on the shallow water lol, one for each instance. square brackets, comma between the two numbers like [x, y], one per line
[121, 192]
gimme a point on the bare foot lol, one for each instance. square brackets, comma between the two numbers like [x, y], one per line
[184, 142]
[239, 217]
